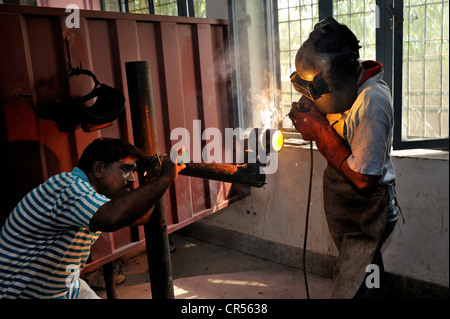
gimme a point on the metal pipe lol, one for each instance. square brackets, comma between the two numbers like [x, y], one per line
[247, 174]
[142, 110]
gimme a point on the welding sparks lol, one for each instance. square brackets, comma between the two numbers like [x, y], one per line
[270, 114]
[266, 117]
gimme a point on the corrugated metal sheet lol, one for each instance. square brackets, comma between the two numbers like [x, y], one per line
[190, 75]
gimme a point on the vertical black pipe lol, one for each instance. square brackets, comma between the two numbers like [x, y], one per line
[110, 278]
[145, 137]
[151, 7]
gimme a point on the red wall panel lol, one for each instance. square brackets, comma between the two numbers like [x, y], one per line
[190, 77]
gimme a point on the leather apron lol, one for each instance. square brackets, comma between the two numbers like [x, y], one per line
[356, 224]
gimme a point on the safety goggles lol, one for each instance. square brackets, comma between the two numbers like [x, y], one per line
[311, 89]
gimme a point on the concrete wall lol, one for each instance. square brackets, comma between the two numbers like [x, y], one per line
[418, 249]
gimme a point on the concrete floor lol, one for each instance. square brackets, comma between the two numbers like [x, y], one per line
[205, 271]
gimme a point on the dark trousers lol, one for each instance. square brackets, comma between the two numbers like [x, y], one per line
[393, 215]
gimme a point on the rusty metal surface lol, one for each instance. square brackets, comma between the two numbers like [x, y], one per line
[246, 174]
[190, 78]
[143, 118]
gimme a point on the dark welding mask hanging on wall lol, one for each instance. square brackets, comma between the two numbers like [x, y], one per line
[93, 111]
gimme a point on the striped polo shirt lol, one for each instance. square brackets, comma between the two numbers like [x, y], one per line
[45, 242]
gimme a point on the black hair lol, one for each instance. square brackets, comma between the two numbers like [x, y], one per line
[107, 150]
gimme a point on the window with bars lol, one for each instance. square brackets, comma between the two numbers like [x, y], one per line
[359, 16]
[191, 8]
[108, 5]
[139, 6]
[200, 8]
[425, 70]
[166, 7]
[296, 20]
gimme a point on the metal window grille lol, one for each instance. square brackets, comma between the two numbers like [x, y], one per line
[139, 6]
[296, 19]
[20, 2]
[200, 8]
[166, 7]
[113, 5]
[188, 8]
[425, 103]
[360, 17]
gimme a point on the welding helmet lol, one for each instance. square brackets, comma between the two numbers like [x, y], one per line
[326, 67]
[100, 106]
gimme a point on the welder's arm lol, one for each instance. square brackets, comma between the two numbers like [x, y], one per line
[143, 219]
[135, 206]
[314, 126]
[366, 184]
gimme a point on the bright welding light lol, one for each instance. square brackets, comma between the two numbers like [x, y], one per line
[271, 140]
[262, 142]
[277, 140]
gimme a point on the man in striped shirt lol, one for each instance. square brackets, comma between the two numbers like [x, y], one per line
[46, 240]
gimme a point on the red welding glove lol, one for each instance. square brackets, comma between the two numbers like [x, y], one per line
[314, 126]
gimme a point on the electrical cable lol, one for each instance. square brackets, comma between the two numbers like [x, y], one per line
[307, 219]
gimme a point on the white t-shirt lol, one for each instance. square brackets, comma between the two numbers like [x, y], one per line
[369, 130]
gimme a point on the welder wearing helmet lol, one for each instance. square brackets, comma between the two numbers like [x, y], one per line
[346, 109]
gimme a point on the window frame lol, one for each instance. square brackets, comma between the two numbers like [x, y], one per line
[390, 34]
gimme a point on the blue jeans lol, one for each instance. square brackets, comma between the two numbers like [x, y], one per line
[392, 217]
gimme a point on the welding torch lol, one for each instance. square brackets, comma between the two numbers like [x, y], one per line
[258, 145]
[299, 106]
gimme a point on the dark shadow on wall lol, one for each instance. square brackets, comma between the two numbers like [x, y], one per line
[22, 170]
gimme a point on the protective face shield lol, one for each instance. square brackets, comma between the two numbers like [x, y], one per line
[311, 89]
[102, 105]
[329, 94]
[324, 76]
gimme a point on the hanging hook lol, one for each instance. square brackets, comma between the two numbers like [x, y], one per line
[69, 56]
